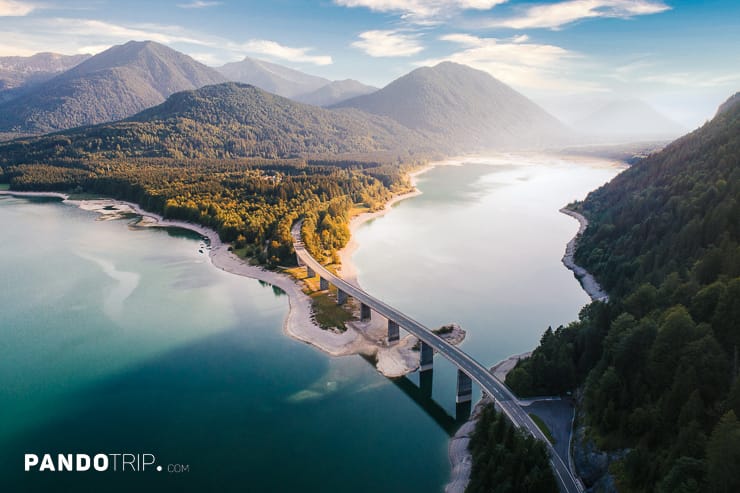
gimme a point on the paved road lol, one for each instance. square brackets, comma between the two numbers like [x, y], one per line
[489, 384]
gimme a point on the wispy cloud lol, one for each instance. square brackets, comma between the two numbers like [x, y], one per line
[276, 50]
[559, 14]
[14, 8]
[71, 35]
[390, 43]
[421, 10]
[198, 4]
[516, 61]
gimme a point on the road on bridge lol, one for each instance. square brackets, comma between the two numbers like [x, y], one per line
[477, 372]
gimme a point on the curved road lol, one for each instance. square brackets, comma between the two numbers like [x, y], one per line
[477, 372]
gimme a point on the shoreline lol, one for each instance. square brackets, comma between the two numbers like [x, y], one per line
[361, 338]
[394, 361]
[298, 322]
[589, 284]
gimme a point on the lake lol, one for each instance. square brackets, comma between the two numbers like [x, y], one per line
[117, 339]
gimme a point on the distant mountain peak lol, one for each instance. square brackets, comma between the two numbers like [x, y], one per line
[629, 119]
[463, 107]
[272, 77]
[114, 84]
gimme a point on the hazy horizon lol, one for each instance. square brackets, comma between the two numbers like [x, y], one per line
[570, 56]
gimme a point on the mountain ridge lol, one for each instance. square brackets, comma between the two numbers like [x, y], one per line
[465, 108]
[225, 120]
[111, 85]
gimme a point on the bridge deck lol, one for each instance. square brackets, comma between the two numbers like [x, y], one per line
[477, 372]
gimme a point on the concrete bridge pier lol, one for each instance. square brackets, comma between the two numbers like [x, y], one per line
[393, 332]
[464, 388]
[310, 273]
[365, 312]
[426, 358]
[323, 284]
[341, 297]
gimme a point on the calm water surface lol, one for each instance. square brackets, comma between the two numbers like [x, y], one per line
[120, 340]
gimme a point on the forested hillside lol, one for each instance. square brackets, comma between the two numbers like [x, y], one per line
[233, 157]
[223, 121]
[659, 363]
[114, 84]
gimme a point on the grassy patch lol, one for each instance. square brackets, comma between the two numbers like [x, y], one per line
[357, 210]
[543, 427]
[242, 253]
[329, 315]
[4, 186]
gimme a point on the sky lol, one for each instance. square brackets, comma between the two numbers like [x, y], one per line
[571, 56]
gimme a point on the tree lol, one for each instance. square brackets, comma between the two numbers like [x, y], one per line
[723, 455]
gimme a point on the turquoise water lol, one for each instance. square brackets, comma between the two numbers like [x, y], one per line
[127, 340]
[117, 340]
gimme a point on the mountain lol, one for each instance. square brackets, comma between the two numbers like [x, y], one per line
[271, 77]
[219, 121]
[463, 108]
[336, 92]
[628, 120]
[658, 365]
[21, 72]
[114, 84]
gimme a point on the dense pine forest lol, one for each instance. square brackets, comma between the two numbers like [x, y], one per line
[507, 459]
[658, 364]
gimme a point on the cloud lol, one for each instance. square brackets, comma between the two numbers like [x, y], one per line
[276, 50]
[517, 61]
[556, 15]
[388, 44]
[421, 10]
[27, 36]
[198, 4]
[70, 35]
[14, 8]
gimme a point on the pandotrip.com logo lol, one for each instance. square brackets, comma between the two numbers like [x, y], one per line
[110, 462]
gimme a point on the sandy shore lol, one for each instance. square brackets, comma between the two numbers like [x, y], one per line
[588, 282]
[298, 322]
[366, 338]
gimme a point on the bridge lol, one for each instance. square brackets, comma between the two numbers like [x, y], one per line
[468, 369]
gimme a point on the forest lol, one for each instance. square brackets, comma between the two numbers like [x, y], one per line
[234, 158]
[658, 364]
[506, 459]
[250, 202]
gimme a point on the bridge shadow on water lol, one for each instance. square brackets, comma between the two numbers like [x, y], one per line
[421, 394]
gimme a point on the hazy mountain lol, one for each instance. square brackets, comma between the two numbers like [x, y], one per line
[114, 84]
[463, 108]
[22, 72]
[628, 120]
[223, 120]
[336, 92]
[271, 77]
